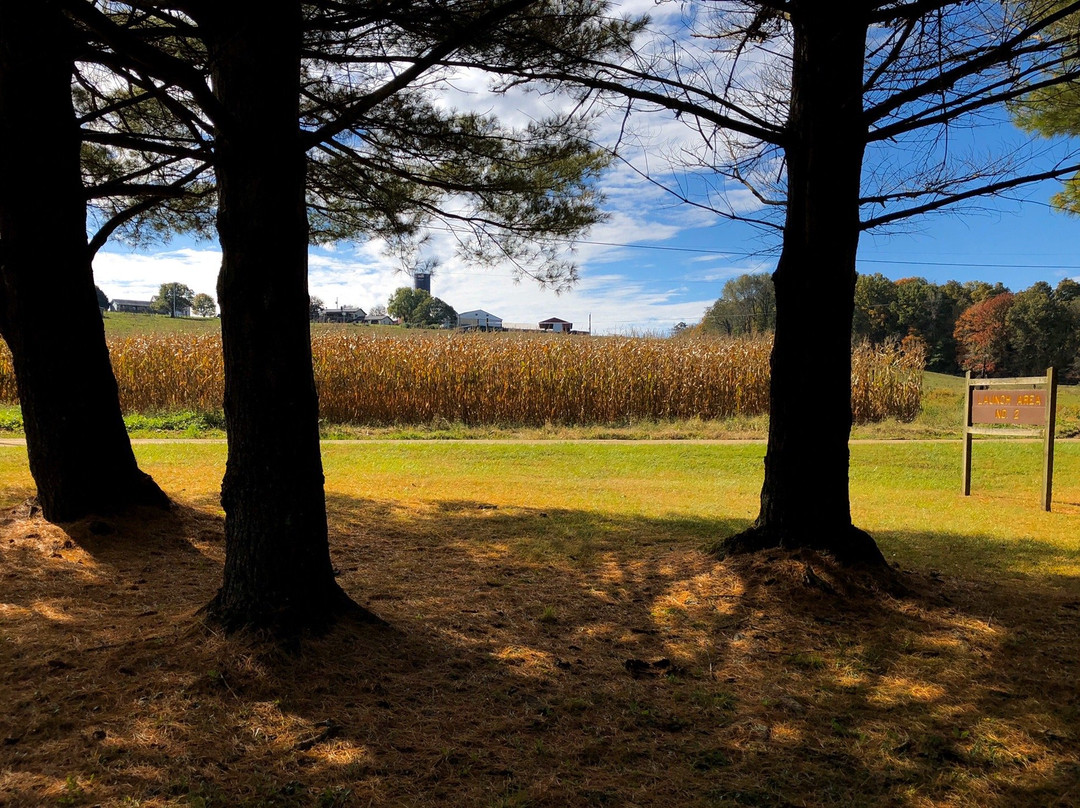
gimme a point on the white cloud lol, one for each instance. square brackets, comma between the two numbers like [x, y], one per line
[138, 276]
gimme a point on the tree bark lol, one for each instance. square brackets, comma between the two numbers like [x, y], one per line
[804, 498]
[278, 573]
[79, 452]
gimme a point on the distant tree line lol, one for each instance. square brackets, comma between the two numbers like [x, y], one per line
[975, 325]
[746, 306]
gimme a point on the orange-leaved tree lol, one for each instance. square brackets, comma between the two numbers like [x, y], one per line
[982, 340]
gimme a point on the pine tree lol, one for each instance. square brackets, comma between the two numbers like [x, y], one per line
[79, 452]
[326, 79]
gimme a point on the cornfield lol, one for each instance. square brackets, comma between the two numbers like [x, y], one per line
[159, 373]
[886, 380]
[368, 378]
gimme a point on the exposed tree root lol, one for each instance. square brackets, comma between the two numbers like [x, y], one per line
[851, 547]
[854, 553]
[314, 616]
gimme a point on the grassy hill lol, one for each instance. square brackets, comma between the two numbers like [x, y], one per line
[943, 408]
[125, 324]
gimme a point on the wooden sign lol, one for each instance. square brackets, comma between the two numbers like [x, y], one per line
[1008, 407]
[1012, 407]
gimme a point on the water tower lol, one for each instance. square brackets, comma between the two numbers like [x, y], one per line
[422, 280]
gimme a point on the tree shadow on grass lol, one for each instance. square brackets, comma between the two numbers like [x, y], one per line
[537, 658]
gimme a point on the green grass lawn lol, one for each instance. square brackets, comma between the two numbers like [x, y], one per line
[906, 495]
[125, 324]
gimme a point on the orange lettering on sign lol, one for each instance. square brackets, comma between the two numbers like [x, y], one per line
[1008, 406]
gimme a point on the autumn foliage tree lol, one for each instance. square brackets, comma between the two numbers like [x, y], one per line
[982, 336]
[888, 310]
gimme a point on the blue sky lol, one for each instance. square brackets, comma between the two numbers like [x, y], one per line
[668, 273]
[655, 261]
[1015, 243]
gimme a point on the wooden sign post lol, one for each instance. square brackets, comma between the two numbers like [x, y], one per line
[1012, 407]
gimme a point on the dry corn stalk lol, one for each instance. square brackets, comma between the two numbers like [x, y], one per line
[369, 377]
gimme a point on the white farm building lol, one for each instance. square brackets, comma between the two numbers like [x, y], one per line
[479, 320]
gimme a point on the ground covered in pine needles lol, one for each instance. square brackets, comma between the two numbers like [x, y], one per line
[633, 669]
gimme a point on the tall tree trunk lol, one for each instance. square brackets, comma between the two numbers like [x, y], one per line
[278, 573]
[804, 498]
[79, 451]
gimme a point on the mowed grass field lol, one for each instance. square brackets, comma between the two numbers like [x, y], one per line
[559, 637]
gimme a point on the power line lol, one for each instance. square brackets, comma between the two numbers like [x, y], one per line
[744, 255]
[966, 264]
[706, 251]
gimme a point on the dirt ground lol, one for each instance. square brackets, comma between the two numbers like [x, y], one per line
[644, 674]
